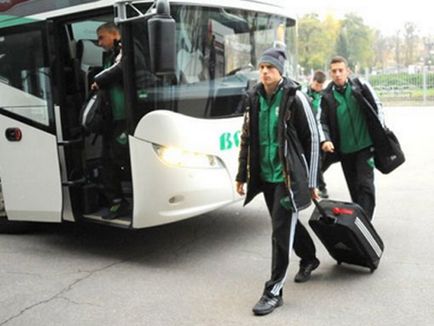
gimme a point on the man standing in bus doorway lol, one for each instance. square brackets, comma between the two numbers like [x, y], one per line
[279, 136]
[115, 153]
[345, 133]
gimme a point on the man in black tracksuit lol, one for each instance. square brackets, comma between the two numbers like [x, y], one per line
[115, 155]
[279, 156]
[346, 131]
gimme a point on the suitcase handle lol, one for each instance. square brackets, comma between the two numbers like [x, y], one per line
[342, 211]
[326, 217]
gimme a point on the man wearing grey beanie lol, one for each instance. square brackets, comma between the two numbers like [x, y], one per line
[279, 136]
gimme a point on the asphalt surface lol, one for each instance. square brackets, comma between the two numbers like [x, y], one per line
[210, 270]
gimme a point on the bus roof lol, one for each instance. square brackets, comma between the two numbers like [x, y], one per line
[35, 10]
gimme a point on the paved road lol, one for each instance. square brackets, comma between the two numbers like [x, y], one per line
[210, 270]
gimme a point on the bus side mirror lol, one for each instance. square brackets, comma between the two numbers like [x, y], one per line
[162, 40]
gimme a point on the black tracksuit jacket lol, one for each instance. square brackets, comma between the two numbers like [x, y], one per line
[369, 104]
[298, 144]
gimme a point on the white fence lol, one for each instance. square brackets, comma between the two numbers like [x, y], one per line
[404, 88]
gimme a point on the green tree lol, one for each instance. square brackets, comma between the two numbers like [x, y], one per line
[320, 40]
[397, 49]
[383, 51]
[358, 39]
[331, 28]
[342, 47]
[316, 40]
[309, 31]
[363, 46]
[410, 43]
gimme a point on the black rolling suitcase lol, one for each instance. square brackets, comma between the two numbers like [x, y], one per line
[347, 233]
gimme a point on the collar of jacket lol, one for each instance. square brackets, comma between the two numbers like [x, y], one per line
[341, 89]
[355, 88]
[311, 92]
[261, 91]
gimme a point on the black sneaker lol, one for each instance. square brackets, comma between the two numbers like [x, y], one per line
[267, 304]
[305, 271]
[117, 210]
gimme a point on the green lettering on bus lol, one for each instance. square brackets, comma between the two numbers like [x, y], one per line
[229, 140]
[237, 138]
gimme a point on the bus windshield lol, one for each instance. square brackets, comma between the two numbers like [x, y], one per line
[217, 51]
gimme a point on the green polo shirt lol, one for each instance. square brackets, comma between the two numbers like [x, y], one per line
[354, 134]
[271, 167]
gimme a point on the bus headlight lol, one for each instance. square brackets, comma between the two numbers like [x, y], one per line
[181, 158]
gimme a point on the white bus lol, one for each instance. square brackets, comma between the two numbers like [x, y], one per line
[182, 114]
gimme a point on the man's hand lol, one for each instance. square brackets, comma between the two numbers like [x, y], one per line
[94, 86]
[328, 147]
[239, 186]
[314, 193]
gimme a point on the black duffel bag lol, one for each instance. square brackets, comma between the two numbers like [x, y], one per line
[388, 154]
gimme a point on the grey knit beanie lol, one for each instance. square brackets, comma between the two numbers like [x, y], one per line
[274, 56]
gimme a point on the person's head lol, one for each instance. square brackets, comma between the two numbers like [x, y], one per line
[318, 80]
[107, 34]
[271, 65]
[339, 70]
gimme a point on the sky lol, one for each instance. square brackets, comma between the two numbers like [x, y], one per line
[386, 15]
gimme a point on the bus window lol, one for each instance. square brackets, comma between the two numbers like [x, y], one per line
[25, 78]
[217, 53]
[88, 54]
[86, 29]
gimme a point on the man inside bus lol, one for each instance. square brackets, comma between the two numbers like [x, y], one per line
[115, 154]
[279, 135]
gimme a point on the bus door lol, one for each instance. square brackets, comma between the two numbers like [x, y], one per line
[29, 156]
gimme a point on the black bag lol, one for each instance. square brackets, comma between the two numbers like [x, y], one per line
[388, 154]
[94, 116]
